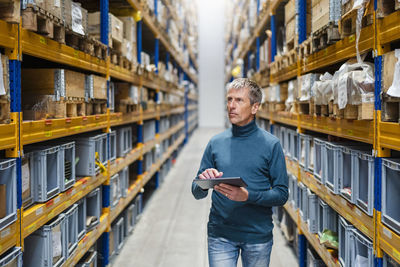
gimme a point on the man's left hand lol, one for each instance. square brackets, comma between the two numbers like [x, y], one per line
[234, 193]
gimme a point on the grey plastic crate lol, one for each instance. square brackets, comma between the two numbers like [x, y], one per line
[45, 172]
[8, 179]
[86, 148]
[362, 251]
[296, 193]
[115, 190]
[27, 183]
[148, 160]
[313, 259]
[291, 188]
[287, 140]
[390, 193]
[303, 201]
[282, 132]
[113, 146]
[345, 233]
[12, 258]
[81, 218]
[294, 145]
[333, 166]
[347, 182]
[130, 218]
[149, 130]
[327, 218]
[120, 234]
[306, 159]
[319, 159]
[89, 259]
[124, 181]
[312, 218]
[124, 141]
[67, 165]
[93, 209]
[139, 205]
[389, 262]
[46, 246]
[71, 218]
[364, 182]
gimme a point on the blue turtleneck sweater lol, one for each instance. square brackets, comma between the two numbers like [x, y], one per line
[257, 157]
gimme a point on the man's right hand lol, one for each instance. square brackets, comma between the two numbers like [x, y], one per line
[210, 174]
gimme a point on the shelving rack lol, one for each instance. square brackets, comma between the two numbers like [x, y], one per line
[16, 42]
[384, 136]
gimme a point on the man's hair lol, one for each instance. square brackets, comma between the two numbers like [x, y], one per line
[255, 93]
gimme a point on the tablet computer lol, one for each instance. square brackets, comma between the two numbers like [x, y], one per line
[210, 183]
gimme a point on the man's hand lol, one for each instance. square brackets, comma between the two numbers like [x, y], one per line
[234, 193]
[210, 174]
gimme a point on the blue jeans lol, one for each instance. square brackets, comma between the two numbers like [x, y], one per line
[225, 253]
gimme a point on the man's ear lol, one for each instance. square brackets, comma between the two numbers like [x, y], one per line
[255, 108]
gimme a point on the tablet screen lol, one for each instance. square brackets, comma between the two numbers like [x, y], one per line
[210, 183]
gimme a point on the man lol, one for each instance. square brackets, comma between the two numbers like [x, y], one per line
[240, 218]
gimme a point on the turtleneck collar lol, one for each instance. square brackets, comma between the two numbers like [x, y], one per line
[246, 130]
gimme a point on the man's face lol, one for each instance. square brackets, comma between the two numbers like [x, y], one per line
[240, 111]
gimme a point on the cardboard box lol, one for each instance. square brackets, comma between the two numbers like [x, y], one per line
[99, 87]
[126, 91]
[129, 28]
[3, 201]
[116, 27]
[59, 82]
[290, 30]
[10, 11]
[54, 8]
[389, 63]
[79, 24]
[290, 11]
[323, 12]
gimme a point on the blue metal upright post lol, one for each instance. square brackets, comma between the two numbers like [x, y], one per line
[104, 21]
[273, 38]
[302, 20]
[166, 60]
[302, 251]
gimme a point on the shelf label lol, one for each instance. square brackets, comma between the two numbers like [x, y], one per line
[387, 233]
[39, 211]
[350, 132]
[56, 200]
[5, 233]
[42, 40]
[48, 133]
[352, 38]
[77, 128]
[344, 202]
[76, 54]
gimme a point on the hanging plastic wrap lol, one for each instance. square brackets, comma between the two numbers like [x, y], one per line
[354, 83]
[2, 82]
[394, 89]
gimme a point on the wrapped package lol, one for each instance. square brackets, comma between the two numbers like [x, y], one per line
[292, 94]
[322, 90]
[305, 83]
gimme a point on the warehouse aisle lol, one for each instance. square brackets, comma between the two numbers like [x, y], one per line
[172, 230]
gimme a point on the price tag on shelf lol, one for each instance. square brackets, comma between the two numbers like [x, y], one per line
[387, 233]
[39, 211]
[352, 38]
[48, 133]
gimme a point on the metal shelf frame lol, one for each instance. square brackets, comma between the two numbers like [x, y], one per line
[13, 136]
[384, 136]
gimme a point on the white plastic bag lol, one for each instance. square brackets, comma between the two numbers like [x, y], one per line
[394, 89]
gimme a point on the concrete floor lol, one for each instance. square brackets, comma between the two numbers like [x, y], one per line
[172, 230]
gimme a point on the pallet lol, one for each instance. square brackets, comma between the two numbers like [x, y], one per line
[350, 112]
[96, 106]
[305, 49]
[118, 59]
[276, 106]
[325, 36]
[321, 110]
[305, 107]
[4, 109]
[390, 109]
[126, 106]
[47, 108]
[348, 22]
[386, 7]
[38, 20]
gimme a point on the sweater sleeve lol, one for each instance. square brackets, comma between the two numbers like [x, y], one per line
[278, 194]
[206, 162]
